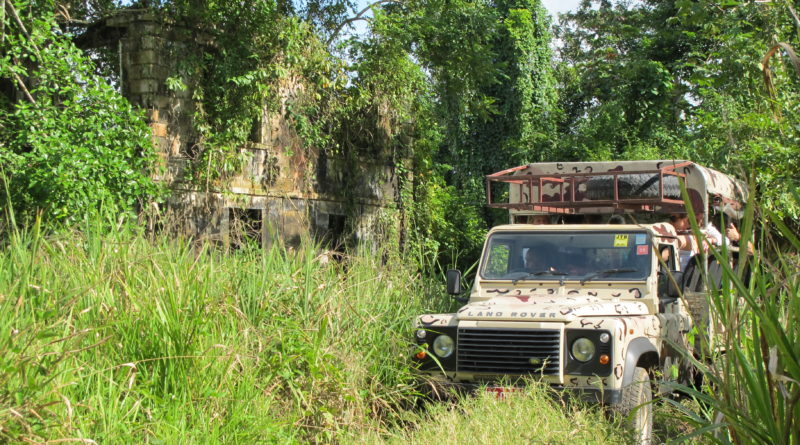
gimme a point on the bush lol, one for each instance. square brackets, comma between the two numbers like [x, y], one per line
[70, 142]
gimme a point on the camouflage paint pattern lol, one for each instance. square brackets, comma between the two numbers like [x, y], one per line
[704, 185]
[627, 309]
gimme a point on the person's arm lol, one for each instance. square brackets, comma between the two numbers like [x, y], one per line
[713, 235]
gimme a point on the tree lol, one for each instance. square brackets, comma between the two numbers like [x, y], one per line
[679, 79]
[489, 67]
[69, 144]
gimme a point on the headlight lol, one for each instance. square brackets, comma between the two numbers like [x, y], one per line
[443, 346]
[582, 349]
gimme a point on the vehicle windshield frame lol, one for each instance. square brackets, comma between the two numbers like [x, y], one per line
[631, 256]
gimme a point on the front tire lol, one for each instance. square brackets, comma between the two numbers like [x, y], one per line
[636, 406]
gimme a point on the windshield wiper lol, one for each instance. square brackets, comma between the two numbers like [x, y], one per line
[603, 273]
[539, 273]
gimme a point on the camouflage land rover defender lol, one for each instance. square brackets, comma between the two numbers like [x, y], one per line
[589, 306]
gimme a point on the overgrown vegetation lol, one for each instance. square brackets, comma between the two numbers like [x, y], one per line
[106, 334]
[69, 143]
[534, 415]
[109, 335]
[446, 92]
[683, 80]
[751, 389]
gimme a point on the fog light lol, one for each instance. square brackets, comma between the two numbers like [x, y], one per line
[421, 334]
[604, 337]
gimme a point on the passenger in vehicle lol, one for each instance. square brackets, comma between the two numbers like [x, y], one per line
[712, 234]
[687, 243]
[539, 219]
[732, 233]
[616, 219]
[532, 219]
[532, 261]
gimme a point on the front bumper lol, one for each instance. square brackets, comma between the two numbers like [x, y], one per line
[440, 389]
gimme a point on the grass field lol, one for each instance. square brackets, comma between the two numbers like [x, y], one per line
[113, 337]
[110, 336]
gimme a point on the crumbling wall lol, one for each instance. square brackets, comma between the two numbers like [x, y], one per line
[284, 192]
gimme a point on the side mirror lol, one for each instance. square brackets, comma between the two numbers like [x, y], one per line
[453, 281]
[669, 288]
[674, 286]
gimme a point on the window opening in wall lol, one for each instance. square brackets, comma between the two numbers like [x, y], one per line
[255, 131]
[335, 238]
[191, 150]
[246, 227]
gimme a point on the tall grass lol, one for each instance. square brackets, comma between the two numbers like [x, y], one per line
[110, 336]
[107, 336]
[533, 416]
[752, 380]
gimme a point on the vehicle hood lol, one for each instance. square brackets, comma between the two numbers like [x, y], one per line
[548, 308]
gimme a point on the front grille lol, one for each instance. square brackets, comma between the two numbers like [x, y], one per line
[509, 351]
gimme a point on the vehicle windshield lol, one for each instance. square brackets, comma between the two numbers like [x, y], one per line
[541, 256]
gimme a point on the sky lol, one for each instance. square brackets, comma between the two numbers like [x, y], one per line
[555, 6]
[552, 6]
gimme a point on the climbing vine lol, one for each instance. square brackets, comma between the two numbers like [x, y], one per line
[492, 106]
[249, 60]
[438, 93]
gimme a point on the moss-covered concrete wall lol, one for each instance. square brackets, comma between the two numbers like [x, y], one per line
[283, 192]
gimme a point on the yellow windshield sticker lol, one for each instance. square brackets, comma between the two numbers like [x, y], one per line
[620, 240]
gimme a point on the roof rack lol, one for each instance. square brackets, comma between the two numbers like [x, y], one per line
[635, 190]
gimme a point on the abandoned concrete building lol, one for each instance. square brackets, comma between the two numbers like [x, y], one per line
[284, 192]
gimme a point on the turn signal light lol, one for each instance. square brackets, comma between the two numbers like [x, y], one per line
[421, 355]
[604, 359]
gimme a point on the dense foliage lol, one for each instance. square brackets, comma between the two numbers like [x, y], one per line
[446, 91]
[489, 105]
[679, 79]
[160, 340]
[68, 141]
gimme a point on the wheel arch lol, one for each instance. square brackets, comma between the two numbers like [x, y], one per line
[640, 353]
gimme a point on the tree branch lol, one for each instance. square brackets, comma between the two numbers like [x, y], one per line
[795, 61]
[356, 18]
[794, 14]
[24, 89]
[22, 27]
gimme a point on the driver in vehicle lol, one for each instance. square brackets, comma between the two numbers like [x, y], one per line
[534, 260]
[532, 263]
